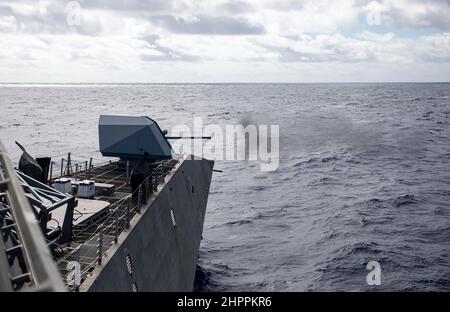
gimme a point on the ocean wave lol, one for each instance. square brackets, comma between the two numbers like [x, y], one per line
[237, 223]
[208, 277]
[257, 188]
[374, 201]
[422, 99]
[307, 161]
[322, 181]
[405, 200]
[329, 158]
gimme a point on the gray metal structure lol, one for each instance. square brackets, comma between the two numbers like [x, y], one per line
[130, 137]
[44, 200]
[25, 260]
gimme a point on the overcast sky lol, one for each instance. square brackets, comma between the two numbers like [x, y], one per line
[224, 40]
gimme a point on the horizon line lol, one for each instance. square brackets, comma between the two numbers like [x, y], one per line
[199, 83]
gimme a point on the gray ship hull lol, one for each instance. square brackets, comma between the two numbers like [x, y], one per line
[160, 250]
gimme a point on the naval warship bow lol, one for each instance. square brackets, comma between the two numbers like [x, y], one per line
[132, 222]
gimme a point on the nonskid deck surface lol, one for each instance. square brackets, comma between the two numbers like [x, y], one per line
[98, 232]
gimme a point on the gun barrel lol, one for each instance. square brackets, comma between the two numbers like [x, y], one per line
[189, 137]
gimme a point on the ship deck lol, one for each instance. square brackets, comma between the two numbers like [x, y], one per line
[98, 222]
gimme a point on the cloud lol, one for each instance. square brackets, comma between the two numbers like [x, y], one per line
[288, 5]
[8, 24]
[236, 7]
[130, 5]
[434, 48]
[323, 48]
[158, 52]
[46, 18]
[215, 25]
[413, 14]
[268, 39]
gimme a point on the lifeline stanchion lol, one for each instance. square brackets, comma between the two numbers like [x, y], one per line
[100, 244]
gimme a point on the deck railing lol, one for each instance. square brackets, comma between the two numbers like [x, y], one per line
[75, 166]
[90, 245]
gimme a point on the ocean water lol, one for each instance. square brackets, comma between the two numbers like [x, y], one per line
[364, 176]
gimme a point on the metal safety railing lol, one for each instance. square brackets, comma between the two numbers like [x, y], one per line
[90, 245]
[25, 260]
[76, 166]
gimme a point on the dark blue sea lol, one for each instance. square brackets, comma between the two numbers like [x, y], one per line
[364, 176]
